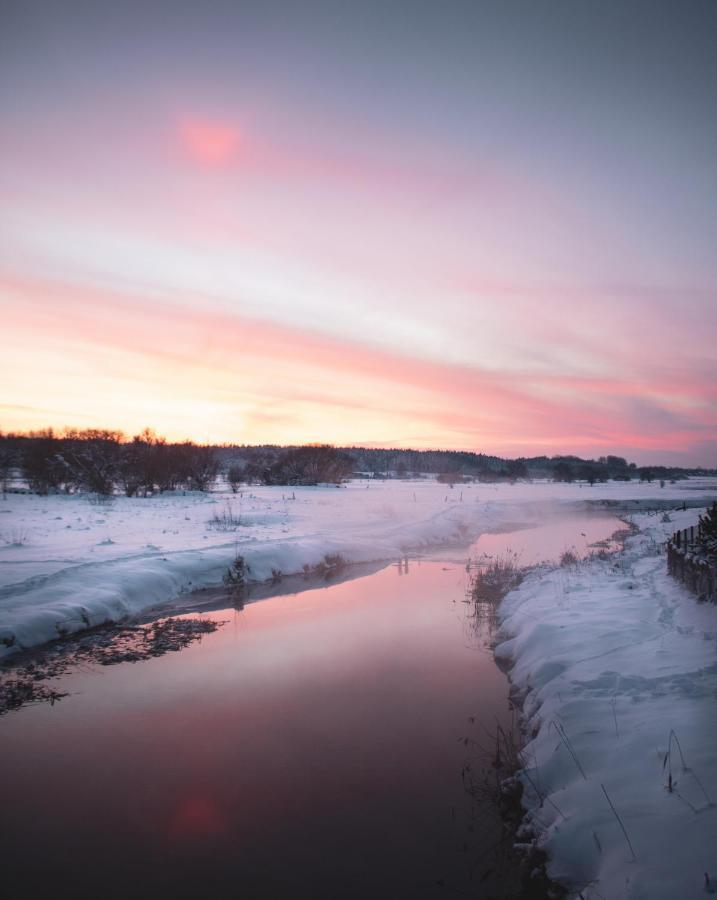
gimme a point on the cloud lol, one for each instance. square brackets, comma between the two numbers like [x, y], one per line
[128, 361]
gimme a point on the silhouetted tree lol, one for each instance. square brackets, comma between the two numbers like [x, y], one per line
[588, 473]
[563, 471]
[41, 465]
[198, 465]
[235, 476]
[8, 460]
[91, 459]
[309, 465]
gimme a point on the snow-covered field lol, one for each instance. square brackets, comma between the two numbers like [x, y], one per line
[613, 658]
[616, 662]
[67, 563]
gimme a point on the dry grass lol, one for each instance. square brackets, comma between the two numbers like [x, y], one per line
[225, 521]
[492, 579]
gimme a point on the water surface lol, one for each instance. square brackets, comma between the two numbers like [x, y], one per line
[309, 747]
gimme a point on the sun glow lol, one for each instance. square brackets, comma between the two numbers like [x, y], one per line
[210, 143]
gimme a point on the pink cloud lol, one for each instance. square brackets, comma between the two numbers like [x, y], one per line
[250, 380]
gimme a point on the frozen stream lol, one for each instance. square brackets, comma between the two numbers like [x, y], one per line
[309, 747]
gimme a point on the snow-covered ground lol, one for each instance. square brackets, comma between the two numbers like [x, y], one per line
[67, 563]
[617, 664]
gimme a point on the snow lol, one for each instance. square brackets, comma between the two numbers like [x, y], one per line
[611, 657]
[69, 562]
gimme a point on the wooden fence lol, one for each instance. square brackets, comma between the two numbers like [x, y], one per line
[685, 562]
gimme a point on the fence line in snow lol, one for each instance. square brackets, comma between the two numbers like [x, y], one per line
[698, 574]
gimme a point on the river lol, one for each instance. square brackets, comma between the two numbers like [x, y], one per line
[312, 746]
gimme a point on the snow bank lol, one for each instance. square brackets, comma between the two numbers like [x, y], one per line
[67, 563]
[612, 657]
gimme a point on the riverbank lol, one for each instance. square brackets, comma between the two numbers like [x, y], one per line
[615, 665]
[71, 562]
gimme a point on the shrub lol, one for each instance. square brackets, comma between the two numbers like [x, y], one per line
[330, 564]
[235, 476]
[237, 574]
[450, 478]
[225, 521]
[491, 581]
[568, 558]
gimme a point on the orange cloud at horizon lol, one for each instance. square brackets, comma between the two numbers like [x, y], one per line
[103, 359]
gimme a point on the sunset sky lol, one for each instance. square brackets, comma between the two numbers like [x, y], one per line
[476, 225]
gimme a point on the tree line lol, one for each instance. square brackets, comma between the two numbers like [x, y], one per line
[454, 466]
[104, 462]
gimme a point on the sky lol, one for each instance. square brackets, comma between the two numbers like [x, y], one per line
[477, 225]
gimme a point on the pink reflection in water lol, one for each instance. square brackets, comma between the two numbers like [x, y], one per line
[310, 744]
[314, 735]
[196, 816]
[550, 538]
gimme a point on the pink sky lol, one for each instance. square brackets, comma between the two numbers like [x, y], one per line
[219, 255]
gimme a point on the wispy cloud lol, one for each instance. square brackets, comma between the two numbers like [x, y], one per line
[223, 375]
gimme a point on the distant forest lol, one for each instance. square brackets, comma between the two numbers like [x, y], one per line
[458, 465]
[106, 462]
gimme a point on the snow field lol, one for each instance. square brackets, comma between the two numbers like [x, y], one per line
[70, 562]
[616, 663]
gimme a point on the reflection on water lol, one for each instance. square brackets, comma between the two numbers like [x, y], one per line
[314, 746]
[579, 533]
[309, 745]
